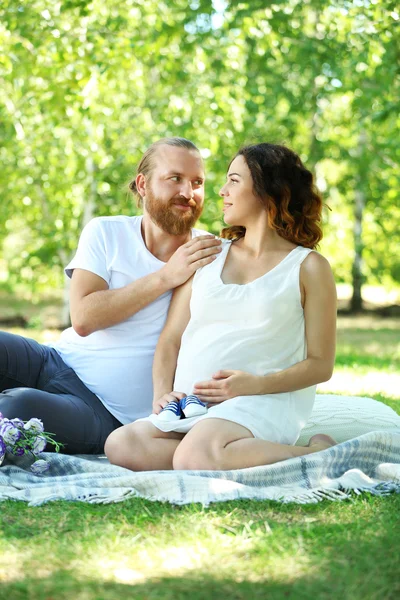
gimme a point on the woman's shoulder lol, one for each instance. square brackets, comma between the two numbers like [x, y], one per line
[214, 267]
[315, 266]
[313, 258]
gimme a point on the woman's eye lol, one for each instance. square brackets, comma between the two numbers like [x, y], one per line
[235, 180]
[175, 178]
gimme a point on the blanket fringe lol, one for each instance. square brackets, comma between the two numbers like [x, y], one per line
[102, 499]
[305, 497]
[380, 489]
[315, 496]
[319, 494]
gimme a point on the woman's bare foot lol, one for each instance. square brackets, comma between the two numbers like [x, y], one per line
[321, 441]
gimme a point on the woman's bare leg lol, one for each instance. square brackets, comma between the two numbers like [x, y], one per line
[141, 446]
[216, 444]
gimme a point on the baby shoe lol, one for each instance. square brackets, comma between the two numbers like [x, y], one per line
[171, 412]
[191, 406]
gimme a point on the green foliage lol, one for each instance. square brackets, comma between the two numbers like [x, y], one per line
[86, 86]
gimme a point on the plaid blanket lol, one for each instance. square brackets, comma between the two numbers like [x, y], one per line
[369, 463]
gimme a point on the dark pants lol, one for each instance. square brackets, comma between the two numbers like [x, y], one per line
[36, 382]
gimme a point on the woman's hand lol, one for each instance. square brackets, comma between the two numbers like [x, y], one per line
[158, 405]
[227, 384]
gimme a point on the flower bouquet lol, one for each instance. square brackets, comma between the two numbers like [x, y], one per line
[19, 437]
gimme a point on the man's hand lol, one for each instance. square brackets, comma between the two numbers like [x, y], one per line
[162, 402]
[200, 251]
[227, 384]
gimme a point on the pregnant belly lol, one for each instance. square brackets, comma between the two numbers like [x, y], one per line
[204, 351]
[195, 367]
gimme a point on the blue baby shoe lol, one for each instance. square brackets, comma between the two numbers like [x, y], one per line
[171, 412]
[191, 406]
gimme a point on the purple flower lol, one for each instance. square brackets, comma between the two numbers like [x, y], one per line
[40, 466]
[16, 451]
[17, 423]
[2, 448]
[34, 425]
[39, 445]
[9, 432]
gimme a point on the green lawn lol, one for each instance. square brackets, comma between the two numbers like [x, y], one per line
[236, 550]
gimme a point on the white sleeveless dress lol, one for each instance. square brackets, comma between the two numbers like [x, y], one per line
[256, 327]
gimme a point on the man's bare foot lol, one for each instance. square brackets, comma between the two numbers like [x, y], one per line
[321, 441]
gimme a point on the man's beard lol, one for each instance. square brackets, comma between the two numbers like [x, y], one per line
[174, 222]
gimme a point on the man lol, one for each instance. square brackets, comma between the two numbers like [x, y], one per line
[98, 376]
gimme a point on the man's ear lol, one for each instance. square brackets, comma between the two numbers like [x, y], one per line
[141, 184]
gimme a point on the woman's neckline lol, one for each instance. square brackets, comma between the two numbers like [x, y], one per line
[257, 278]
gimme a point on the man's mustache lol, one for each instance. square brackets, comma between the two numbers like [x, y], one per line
[184, 201]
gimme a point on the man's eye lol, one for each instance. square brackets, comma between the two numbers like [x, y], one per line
[198, 182]
[175, 178]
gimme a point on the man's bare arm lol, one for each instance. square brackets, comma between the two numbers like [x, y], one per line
[93, 306]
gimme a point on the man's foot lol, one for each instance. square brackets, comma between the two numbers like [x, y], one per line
[171, 412]
[192, 407]
[321, 441]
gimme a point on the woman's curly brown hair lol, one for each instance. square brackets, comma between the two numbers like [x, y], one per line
[287, 191]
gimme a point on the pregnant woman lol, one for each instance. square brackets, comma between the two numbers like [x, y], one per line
[250, 335]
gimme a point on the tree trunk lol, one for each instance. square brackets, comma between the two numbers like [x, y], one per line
[356, 303]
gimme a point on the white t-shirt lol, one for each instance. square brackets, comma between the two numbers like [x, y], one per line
[116, 363]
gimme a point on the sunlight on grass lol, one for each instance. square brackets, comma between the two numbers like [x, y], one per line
[118, 570]
[221, 545]
[11, 565]
[355, 383]
[208, 551]
[218, 555]
[367, 321]
[15, 563]
[43, 336]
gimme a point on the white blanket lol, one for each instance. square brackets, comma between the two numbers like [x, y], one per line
[369, 463]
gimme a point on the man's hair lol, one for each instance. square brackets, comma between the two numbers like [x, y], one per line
[147, 164]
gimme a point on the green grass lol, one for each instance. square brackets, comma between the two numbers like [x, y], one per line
[234, 550]
[244, 549]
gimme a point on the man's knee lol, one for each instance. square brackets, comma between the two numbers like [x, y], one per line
[19, 402]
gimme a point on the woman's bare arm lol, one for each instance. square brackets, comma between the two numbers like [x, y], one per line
[169, 343]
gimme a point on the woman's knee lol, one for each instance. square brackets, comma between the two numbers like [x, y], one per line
[193, 457]
[118, 445]
[126, 447]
